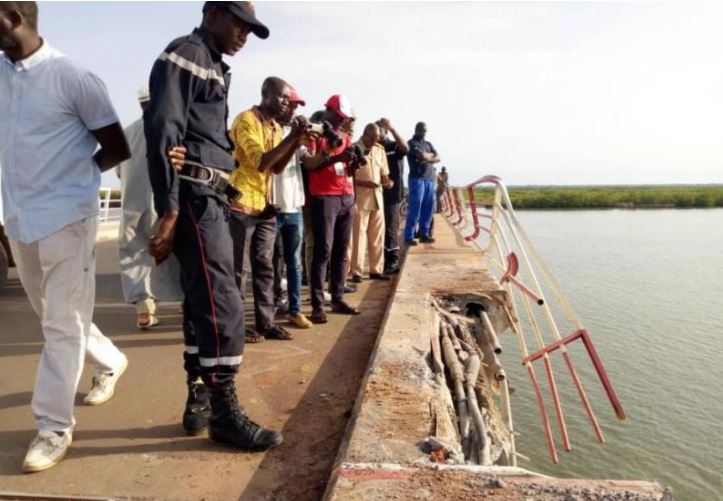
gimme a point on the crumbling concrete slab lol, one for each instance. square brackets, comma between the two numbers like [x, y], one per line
[400, 403]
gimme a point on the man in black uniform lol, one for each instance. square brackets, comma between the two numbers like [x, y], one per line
[189, 85]
[396, 150]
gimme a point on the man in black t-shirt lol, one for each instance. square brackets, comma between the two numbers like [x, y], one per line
[396, 150]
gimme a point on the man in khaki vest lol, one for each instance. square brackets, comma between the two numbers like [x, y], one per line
[369, 220]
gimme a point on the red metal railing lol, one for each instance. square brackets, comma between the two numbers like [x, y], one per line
[527, 278]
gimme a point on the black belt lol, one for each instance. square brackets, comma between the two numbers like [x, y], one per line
[211, 177]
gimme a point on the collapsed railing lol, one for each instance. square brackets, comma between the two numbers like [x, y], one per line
[508, 247]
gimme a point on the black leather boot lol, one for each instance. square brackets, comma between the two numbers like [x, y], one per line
[197, 414]
[230, 425]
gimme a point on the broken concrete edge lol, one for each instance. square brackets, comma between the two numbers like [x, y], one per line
[393, 470]
[344, 445]
[352, 469]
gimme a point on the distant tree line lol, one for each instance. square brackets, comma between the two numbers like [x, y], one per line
[610, 197]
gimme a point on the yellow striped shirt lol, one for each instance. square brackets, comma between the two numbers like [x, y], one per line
[252, 136]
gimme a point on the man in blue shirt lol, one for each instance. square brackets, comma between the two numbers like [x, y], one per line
[421, 157]
[53, 116]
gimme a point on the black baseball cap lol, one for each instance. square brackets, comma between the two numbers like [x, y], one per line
[244, 11]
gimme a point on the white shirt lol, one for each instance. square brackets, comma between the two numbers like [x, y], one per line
[48, 106]
[136, 190]
[287, 189]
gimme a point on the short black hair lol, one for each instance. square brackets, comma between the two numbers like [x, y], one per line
[273, 83]
[29, 11]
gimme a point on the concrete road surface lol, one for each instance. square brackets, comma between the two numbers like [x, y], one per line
[133, 446]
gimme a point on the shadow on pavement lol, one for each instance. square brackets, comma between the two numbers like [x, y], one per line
[300, 467]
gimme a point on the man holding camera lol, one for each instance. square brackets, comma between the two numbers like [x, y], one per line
[396, 149]
[189, 87]
[369, 179]
[330, 162]
[261, 151]
[288, 195]
[58, 131]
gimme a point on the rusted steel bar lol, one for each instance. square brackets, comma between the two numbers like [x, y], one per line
[597, 364]
[458, 203]
[556, 403]
[447, 206]
[543, 414]
[510, 275]
[526, 290]
[583, 396]
[473, 210]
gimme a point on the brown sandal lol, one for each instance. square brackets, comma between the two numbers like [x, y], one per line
[278, 332]
[318, 317]
[253, 337]
[344, 308]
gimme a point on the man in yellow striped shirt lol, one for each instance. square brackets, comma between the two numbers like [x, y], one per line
[260, 151]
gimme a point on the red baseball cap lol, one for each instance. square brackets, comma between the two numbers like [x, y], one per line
[294, 97]
[341, 105]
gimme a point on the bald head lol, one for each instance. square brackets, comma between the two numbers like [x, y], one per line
[371, 135]
[273, 84]
[275, 93]
[19, 29]
[27, 10]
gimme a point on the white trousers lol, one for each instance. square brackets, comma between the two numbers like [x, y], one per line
[58, 275]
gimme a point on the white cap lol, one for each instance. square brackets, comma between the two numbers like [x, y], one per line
[144, 95]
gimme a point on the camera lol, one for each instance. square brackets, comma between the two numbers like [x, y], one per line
[359, 156]
[326, 130]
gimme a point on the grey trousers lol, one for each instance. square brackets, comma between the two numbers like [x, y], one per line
[391, 235]
[253, 253]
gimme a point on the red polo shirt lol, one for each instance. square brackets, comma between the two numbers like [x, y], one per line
[332, 179]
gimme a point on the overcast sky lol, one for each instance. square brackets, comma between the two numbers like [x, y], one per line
[537, 93]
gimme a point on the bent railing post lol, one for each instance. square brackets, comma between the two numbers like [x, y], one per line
[517, 250]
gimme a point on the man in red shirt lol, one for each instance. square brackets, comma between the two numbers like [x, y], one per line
[332, 199]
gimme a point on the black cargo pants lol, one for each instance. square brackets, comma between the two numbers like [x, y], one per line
[213, 322]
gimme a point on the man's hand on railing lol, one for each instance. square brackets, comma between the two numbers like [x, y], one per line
[177, 156]
[161, 244]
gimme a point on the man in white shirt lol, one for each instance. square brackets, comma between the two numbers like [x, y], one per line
[143, 283]
[287, 193]
[53, 116]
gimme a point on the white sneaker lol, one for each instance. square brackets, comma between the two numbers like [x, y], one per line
[327, 298]
[46, 450]
[104, 386]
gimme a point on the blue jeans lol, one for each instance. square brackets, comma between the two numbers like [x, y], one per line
[420, 207]
[291, 227]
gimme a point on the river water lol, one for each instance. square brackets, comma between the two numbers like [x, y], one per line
[648, 286]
